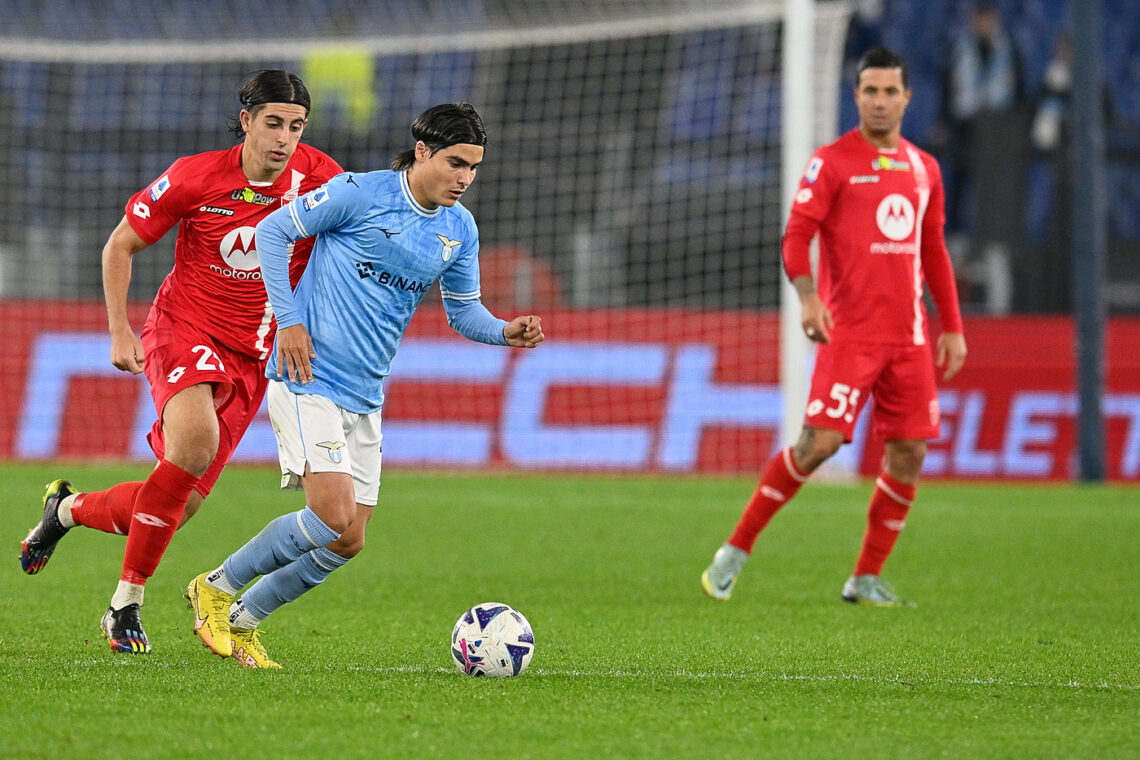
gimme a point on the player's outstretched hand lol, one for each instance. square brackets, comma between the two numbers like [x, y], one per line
[524, 332]
[295, 354]
[127, 352]
[951, 353]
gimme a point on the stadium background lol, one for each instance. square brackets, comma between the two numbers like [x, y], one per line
[631, 196]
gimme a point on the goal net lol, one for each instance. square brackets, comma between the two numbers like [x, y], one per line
[631, 195]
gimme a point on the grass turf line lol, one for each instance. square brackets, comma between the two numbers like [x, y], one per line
[1025, 642]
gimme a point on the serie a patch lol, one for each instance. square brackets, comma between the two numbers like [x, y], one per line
[315, 198]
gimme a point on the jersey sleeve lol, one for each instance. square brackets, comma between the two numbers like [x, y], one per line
[810, 206]
[796, 246]
[155, 209]
[936, 266]
[460, 288]
[329, 207]
[460, 281]
[322, 169]
[473, 321]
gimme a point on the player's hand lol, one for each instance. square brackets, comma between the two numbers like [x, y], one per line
[815, 318]
[951, 353]
[524, 332]
[295, 354]
[127, 352]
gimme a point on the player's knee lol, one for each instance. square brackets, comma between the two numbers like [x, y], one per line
[195, 461]
[193, 452]
[351, 541]
[334, 514]
[348, 545]
[905, 458]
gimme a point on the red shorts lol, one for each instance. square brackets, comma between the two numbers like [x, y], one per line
[901, 378]
[178, 356]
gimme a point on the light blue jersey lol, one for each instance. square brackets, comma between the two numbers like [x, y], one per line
[377, 252]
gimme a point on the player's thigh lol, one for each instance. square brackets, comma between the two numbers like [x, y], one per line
[841, 384]
[314, 435]
[190, 410]
[310, 433]
[235, 413]
[190, 428]
[188, 379]
[179, 356]
[906, 397]
[364, 450]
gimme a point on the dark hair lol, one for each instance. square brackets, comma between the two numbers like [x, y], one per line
[441, 127]
[881, 58]
[270, 86]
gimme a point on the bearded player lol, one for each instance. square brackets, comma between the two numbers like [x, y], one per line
[876, 202]
[206, 339]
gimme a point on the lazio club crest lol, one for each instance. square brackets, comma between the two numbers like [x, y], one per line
[332, 448]
[448, 244]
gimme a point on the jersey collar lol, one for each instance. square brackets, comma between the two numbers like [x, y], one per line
[411, 199]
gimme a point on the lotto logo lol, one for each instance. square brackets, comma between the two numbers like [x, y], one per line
[151, 520]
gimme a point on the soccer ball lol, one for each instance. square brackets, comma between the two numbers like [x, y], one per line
[492, 639]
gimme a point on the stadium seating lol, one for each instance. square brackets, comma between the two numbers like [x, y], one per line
[726, 94]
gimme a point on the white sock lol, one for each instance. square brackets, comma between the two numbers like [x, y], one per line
[127, 593]
[241, 617]
[219, 580]
[64, 512]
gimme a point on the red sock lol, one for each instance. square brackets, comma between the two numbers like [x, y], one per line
[885, 519]
[779, 483]
[108, 511]
[159, 506]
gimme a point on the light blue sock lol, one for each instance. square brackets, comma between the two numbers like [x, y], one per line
[287, 583]
[278, 544]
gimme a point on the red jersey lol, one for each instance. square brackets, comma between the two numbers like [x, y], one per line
[216, 281]
[879, 214]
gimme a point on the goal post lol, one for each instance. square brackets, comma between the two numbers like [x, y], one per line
[641, 158]
[812, 58]
[797, 135]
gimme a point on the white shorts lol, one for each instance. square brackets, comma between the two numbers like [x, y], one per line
[312, 430]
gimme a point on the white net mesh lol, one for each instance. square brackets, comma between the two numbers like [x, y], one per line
[631, 186]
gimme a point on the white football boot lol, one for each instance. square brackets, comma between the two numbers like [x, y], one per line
[719, 578]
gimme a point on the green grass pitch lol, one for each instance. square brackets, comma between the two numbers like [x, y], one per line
[1024, 643]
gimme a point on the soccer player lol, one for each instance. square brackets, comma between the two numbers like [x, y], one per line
[206, 339]
[876, 202]
[382, 239]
